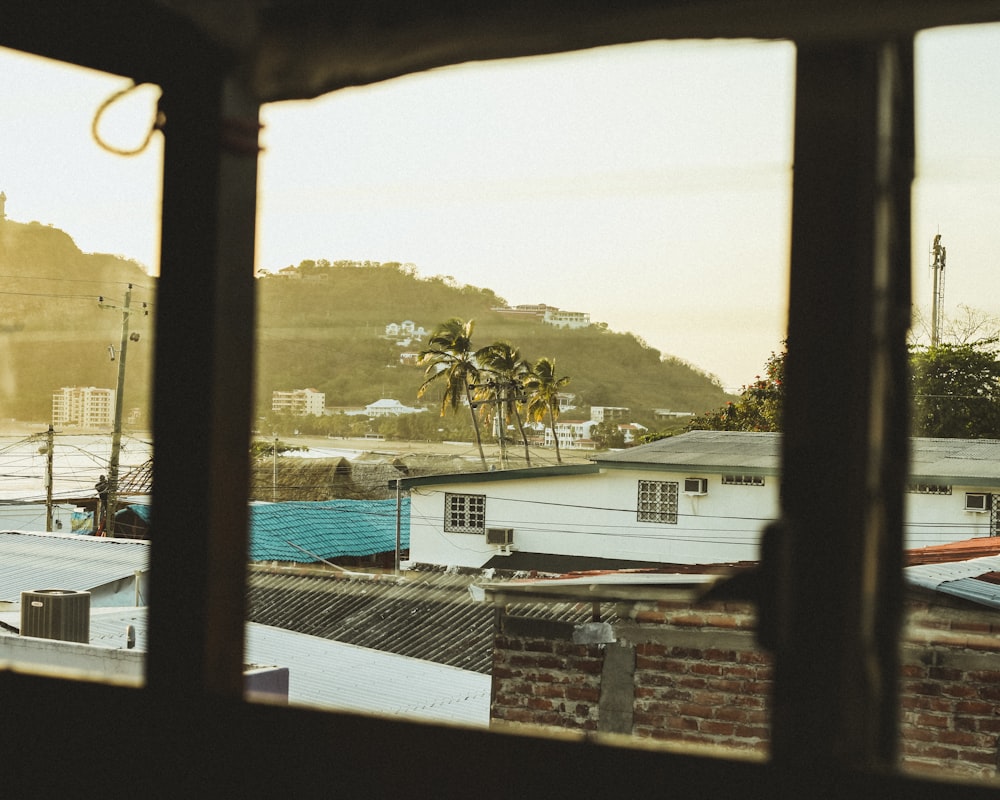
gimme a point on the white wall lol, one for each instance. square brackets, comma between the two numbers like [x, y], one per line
[595, 516]
[940, 518]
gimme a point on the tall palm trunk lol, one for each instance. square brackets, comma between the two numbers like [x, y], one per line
[475, 425]
[520, 428]
[552, 422]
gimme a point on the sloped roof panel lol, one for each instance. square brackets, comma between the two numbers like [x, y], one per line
[971, 461]
[33, 561]
[705, 450]
[335, 675]
[960, 579]
[308, 531]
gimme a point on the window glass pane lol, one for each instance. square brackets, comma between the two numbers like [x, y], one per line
[79, 240]
[616, 218]
[949, 655]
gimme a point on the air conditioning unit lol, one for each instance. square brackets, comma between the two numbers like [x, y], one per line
[61, 614]
[977, 501]
[696, 486]
[502, 537]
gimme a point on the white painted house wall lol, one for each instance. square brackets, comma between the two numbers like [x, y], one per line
[596, 516]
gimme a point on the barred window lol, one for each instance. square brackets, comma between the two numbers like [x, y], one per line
[657, 501]
[928, 488]
[464, 513]
[743, 480]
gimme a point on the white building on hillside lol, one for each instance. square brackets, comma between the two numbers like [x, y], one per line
[573, 434]
[566, 319]
[300, 402]
[698, 498]
[389, 408]
[85, 406]
[601, 413]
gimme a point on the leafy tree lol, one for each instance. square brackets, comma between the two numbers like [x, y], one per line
[607, 434]
[543, 388]
[955, 390]
[758, 407]
[450, 359]
[503, 372]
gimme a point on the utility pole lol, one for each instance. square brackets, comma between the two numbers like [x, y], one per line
[937, 306]
[116, 436]
[274, 470]
[49, 445]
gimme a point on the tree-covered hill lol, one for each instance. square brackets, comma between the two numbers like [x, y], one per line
[320, 325]
[53, 330]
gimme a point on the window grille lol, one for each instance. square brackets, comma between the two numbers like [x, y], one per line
[658, 501]
[464, 513]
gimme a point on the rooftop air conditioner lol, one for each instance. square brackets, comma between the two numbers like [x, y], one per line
[977, 501]
[502, 537]
[696, 486]
[61, 614]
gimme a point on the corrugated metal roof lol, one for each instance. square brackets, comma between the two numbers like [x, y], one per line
[335, 675]
[707, 450]
[33, 561]
[977, 547]
[960, 579]
[931, 576]
[426, 615]
[327, 529]
[343, 676]
[945, 460]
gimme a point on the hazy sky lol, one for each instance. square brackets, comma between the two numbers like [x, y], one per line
[648, 185]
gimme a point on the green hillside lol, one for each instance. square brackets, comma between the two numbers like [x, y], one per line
[53, 330]
[321, 325]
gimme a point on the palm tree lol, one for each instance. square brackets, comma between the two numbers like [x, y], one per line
[505, 373]
[543, 395]
[449, 357]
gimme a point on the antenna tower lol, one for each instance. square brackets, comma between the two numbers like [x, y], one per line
[937, 306]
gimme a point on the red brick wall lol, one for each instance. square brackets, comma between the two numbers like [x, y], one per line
[544, 681]
[700, 679]
[710, 696]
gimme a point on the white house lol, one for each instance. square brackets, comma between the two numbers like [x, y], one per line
[698, 498]
[566, 319]
[573, 434]
[389, 408]
[631, 431]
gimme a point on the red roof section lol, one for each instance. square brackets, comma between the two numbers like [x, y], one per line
[979, 547]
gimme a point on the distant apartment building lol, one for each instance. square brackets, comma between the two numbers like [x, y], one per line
[85, 406]
[601, 413]
[566, 319]
[572, 434]
[299, 402]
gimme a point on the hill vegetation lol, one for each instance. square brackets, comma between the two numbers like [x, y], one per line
[320, 325]
[53, 329]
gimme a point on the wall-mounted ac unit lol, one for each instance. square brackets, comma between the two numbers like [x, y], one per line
[500, 536]
[696, 486]
[61, 614]
[977, 501]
